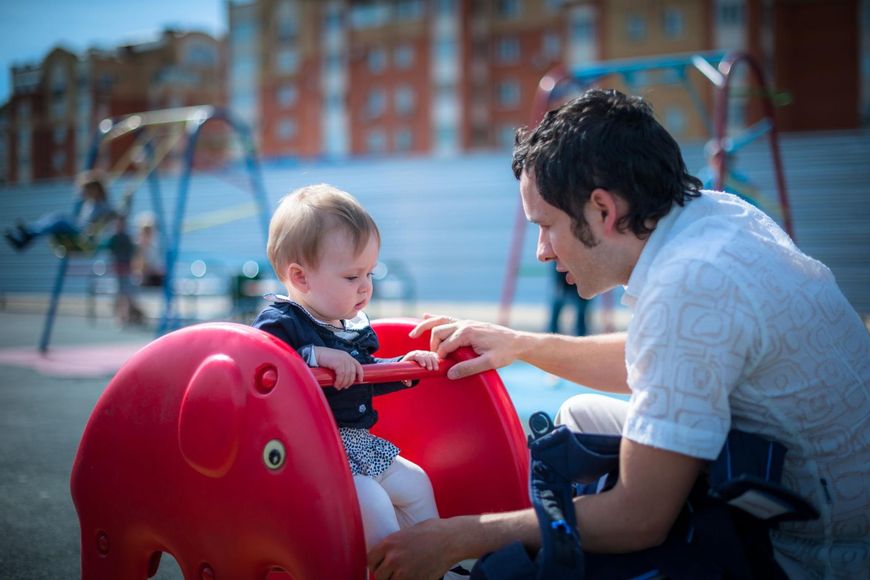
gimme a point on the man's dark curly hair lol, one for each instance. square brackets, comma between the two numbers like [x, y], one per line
[605, 139]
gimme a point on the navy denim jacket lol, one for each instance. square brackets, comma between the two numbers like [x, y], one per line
[352, 407]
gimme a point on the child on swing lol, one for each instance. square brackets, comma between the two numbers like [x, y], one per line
[323, 247]
[92, 212]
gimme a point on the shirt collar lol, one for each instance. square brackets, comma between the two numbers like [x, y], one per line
[355, 324]
[656, 241]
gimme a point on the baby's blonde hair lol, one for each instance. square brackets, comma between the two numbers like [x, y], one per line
[306, 216]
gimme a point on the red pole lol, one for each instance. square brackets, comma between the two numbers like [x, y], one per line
[540, 106]
[386, 372]
[726, 67]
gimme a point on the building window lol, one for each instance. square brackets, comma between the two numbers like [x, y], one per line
[404, 140]
[674, 23]
[287, 22]
[675, 121]
[287, 95]
[286, 129]
[369, 15]
[551, 46]
[508, 94]
[506, 136]
[58, 161]
[403, 56]
[409, 10]
[731, 13]
[334, 63]
[508, 9]
[200, 54]
[448, 7]
[635, 26]
[242, 32]
[58, 106]
[508, 50]
[445, 50]
[582, 30]
[445, 138]
[25, 81]
[24, 112]
[376, 103]
[404, 100]
[59, 135]
[376, 141]
[377, 60]
[287, 61]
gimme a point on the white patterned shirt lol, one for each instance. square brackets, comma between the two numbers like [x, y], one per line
[734, 327]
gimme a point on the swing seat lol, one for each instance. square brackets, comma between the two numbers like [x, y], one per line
[64, 244]
[215, 444]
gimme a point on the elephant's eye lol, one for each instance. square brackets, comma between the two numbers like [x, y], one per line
[274, 454]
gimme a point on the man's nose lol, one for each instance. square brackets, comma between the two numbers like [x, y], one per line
[544, 250]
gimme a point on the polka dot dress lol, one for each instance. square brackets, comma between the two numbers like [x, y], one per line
[367, 454]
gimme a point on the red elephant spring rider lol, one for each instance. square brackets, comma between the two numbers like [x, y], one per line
[215, 444]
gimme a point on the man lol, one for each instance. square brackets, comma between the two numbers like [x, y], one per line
[733, 327]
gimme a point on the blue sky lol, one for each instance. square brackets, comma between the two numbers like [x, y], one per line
[29, 29]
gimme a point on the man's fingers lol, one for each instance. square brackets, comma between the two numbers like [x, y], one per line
[469, 367]
[445, 339]
[429, 321]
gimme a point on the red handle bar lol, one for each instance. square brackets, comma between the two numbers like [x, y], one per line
[386, 372]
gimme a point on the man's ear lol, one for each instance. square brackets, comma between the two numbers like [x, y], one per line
[605, 208]
[296, 277]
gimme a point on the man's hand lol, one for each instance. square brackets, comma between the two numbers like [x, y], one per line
[421, 551]
[346, 368]
[496, 346]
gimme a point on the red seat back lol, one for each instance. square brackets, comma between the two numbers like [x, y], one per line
[465, 433]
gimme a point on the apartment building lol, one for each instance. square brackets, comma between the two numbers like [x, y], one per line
[343, 78]
[48, 124]
[357, 77]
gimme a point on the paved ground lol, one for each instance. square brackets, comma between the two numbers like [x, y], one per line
[41, 421]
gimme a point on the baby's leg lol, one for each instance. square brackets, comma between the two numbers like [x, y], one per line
[378, 514]
[410, 490]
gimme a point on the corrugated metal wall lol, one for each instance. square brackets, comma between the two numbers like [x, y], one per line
[449, 221]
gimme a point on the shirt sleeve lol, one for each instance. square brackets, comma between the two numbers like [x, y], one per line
[690, 343]
[284, 328]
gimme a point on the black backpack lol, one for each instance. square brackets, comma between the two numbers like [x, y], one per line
[722, 531]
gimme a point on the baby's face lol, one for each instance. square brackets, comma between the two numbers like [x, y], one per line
[341, 285]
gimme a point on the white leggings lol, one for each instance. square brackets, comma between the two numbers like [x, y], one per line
[592, 413]
[399, 497]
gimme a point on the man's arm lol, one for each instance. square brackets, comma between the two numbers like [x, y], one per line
[430, 548]
[594, 361]
[636, 514]
[641, 508]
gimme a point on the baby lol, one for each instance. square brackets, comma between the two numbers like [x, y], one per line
[323, 246]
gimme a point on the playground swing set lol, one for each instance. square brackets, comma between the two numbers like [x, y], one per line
[156, 135]
[215, 444]
[717, 67]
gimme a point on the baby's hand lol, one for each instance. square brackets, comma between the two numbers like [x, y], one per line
[347, 369]
[425, 358]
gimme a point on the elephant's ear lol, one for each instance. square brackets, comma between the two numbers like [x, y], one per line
[211, 415]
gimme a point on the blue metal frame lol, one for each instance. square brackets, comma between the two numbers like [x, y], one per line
[171, 319]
